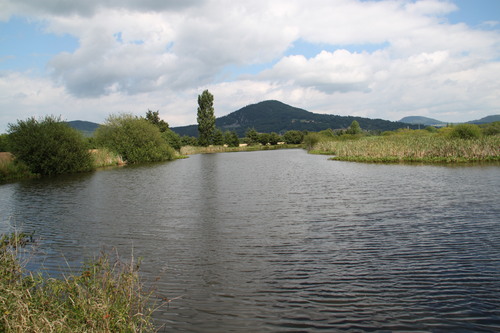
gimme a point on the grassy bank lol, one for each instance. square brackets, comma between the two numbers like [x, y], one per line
[13, 170]
[411, 147]
[191, 150]
[105, 297]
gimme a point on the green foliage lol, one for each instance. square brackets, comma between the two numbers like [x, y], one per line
[106, 296]
[4, 143]
[218, 137]
[231, 139]
[49, 146]
[173, 139]
[263, 138]
[14, 170]
[188, 141]
[154, 118]
[274, 138]
[491, 128]
[354, 128]
[252, 137]
[134, 138]
[293, 137]
[205, 118]
[465, 131]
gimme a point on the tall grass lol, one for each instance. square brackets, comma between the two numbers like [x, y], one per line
[104, 157]
[414, 147]
[11, 169]
[105, 297]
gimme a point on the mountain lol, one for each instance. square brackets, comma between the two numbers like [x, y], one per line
[275, 116]
[422, 121]
[486, 120]
[86, 127]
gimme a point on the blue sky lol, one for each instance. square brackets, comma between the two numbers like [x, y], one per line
[379, 59]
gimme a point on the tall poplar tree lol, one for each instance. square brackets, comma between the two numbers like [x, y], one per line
[206, 118]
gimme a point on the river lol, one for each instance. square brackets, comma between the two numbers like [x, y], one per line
[283, 241]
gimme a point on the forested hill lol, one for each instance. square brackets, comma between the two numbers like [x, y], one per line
[275, 116]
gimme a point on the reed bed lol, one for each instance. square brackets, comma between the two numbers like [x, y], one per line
[105, 297]
[412, 148]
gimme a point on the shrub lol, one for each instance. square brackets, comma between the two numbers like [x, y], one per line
[172, 138]
[293, 137]
[465, 131]
[49, 146]
[134, 138]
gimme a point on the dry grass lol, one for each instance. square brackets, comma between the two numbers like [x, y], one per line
[104, 157]
[105, 297]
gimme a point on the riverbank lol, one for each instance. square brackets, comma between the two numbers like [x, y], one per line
[106, 296]
[191, 150]
[412, 147]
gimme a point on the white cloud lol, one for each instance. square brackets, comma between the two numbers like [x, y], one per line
[135, 55]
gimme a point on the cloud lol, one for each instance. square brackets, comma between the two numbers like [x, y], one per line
[382, 59]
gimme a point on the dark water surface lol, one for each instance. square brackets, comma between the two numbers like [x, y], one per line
[283, 241]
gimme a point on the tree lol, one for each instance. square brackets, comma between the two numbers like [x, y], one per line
[134, 138]
[354, 128]
[274, 138]
[466, 131]
[218, 137]
[293, 137]
[154, 118]
[252, 136]
[49, 146]
[263, 138]
[173, 139]
[231, 139]
[206, 118]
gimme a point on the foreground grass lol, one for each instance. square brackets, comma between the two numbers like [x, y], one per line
[412, 148]
[191, 150]
[105, 297]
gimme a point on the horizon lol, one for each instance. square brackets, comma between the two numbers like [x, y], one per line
[380, 59]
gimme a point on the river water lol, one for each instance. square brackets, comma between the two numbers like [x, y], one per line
[283, 241]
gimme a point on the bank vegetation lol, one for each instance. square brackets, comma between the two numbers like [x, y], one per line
[105, 296]
[463, 143]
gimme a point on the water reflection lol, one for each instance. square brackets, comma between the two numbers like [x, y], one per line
[285, 241]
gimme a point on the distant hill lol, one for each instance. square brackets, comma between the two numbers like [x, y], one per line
[275, 116]
[86, 127]
[486, 120]
[422, 121]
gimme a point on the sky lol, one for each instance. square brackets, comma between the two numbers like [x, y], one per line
[86, 60]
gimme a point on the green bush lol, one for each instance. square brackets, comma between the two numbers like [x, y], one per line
[134, 138]
[4, 142]
[49, 146]
[293, 137]
[465, 131]
[172, 138]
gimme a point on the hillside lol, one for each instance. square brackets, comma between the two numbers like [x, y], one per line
[275, 116]
[486, 120]
[86, 127]
[422, 121]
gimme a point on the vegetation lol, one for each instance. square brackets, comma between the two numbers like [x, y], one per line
[205, 118]
[106, 296]
[49, 146]
[191, 150]
[12, 169]
[135, 139]
[449, 145]
[274, 116]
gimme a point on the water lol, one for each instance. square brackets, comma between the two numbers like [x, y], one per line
[283, 241]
